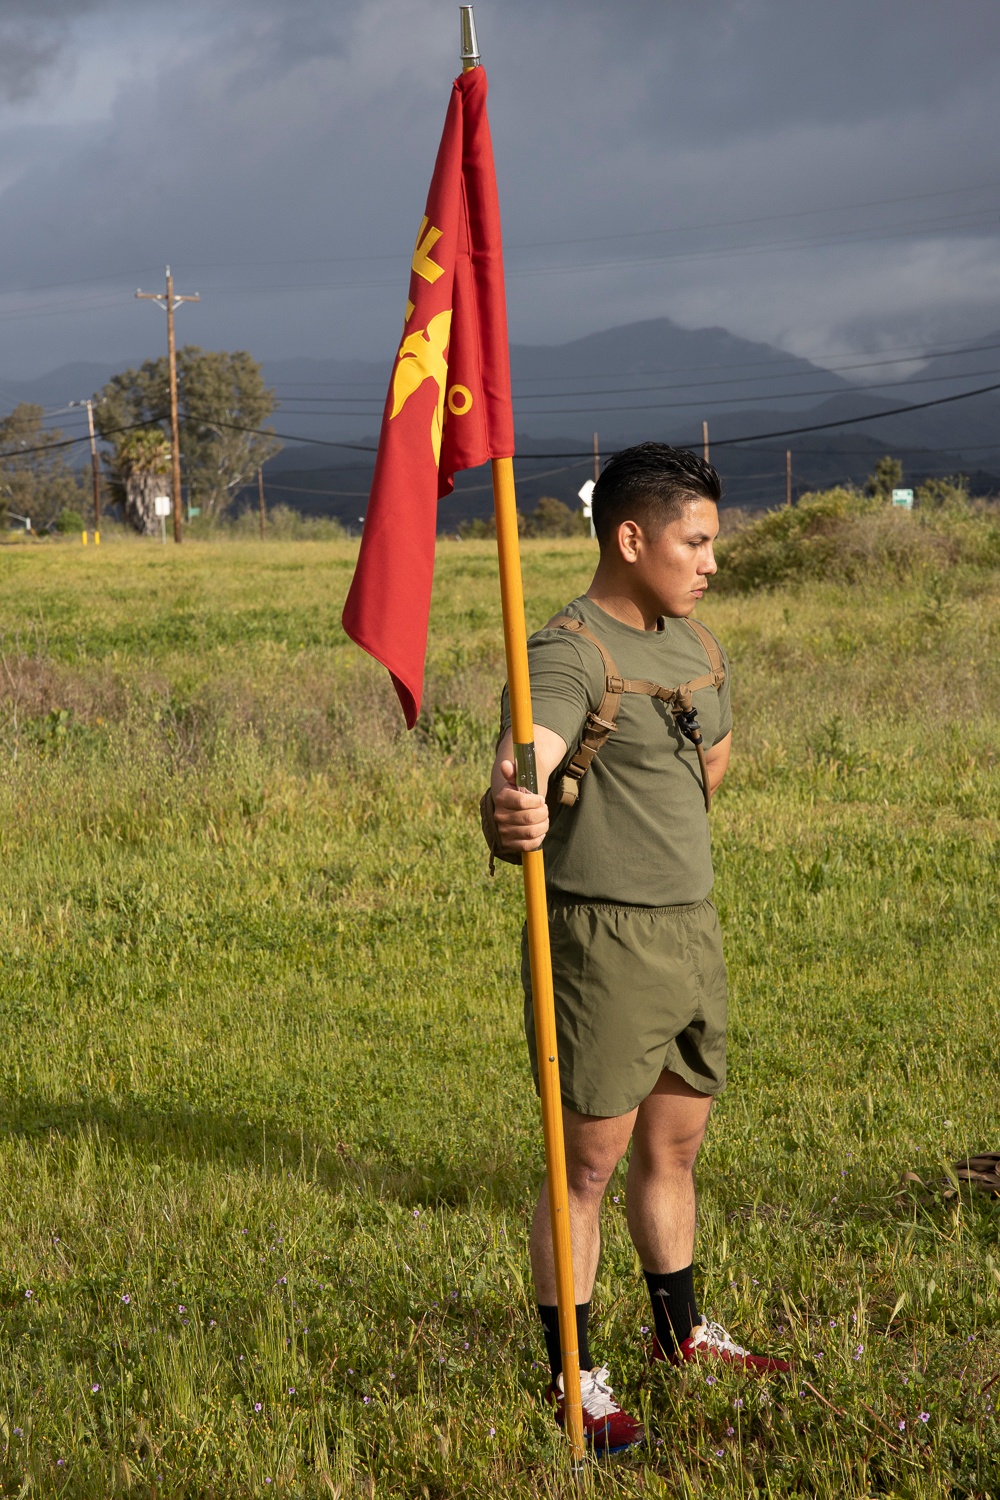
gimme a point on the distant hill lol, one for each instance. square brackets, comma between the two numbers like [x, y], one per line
[646, 379]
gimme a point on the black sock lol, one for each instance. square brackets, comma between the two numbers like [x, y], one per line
[550, 1328]
[675, 1311]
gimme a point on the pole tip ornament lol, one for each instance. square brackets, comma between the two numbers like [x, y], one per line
[470, 46]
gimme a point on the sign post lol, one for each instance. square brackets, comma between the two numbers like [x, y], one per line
[903, 498]
[586, 494]
[162, 507]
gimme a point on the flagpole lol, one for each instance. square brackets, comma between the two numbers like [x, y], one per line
[536, 906]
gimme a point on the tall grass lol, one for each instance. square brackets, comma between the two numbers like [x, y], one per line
[267, 1136]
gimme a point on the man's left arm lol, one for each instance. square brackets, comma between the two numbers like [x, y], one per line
[717, 761]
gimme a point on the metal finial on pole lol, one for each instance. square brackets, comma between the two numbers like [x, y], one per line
[470, 46]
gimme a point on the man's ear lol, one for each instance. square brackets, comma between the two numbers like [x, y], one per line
[629, 535]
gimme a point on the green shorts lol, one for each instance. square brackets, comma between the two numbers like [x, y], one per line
[638, 989]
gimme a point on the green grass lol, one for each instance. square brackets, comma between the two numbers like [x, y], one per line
[267, 1136]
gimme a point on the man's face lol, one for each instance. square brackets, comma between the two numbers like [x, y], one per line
[672, 570]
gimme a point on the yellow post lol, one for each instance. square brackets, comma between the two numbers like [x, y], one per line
[97, 538]
[84, 538]
[533, 867]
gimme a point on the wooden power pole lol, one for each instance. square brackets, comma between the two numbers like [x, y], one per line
[169, 301]
[704, 440]
[95, 462]
[260, 500]
[788, 476]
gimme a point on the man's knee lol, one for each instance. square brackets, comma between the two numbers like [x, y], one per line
[589, 1172]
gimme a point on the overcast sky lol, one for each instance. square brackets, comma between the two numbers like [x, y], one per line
[819, 175]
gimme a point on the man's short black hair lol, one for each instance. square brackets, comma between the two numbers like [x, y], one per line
[650, 484]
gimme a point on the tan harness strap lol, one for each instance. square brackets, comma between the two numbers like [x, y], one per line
[597, 726]
[600, 725]
[711, 649]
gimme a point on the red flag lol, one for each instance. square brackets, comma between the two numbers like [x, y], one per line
[448, 406]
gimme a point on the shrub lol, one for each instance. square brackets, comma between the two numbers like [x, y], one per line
[69, 521]
[845, 535]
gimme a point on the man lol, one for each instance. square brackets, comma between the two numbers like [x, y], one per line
[640, 981]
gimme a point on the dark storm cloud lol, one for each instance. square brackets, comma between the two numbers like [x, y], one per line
[273, 149]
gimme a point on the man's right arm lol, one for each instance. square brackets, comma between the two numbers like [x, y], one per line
[522, 818]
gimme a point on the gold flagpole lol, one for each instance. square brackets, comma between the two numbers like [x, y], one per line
[533, 867]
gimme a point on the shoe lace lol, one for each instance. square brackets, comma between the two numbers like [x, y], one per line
[714, 1336]
[595, 1393]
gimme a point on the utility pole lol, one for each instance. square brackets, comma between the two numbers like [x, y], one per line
[704, 440]
[597, 460]
[788, 476]
[169, 301]
[260, 498]
[95, 463]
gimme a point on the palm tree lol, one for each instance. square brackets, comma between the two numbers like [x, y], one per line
[141, 460]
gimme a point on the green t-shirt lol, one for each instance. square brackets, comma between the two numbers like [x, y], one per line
[638, 834]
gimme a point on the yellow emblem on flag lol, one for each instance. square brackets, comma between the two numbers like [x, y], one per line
[422, 357]
[427, 238]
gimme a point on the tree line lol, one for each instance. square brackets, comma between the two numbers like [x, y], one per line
[223, 403]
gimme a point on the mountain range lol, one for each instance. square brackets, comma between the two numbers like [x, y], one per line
[641, 380]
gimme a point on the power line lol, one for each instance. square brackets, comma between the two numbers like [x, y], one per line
[752, 364]
[678, 405]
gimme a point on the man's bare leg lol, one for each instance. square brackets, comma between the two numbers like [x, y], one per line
[659, 1192]
[594, 1147]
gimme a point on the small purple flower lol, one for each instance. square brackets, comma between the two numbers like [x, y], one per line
[755, 1281]
[643, 1329]
[925, 1416]
[859, 1351]
[465, 1346]
[902, 1425]
[95, 1388]
[258, 1406]
[730, 1431]
[60, 1462]
[719, 1453]
[181, 1308]
[709, 1379]
[493, 1432]
[367, 1400]
[616, 1199]
[350, 1371]
[29, 1293]
[126, 1298]
[738, 1404]
[18, 1432]
[291, 1390]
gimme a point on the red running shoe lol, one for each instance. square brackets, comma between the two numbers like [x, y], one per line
[606, 1428]
[711, 1341]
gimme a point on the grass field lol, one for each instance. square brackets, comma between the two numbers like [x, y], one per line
[267, 1138]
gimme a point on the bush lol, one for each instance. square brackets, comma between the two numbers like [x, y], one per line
[845, 535]
[282, 523]
[69, 521]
